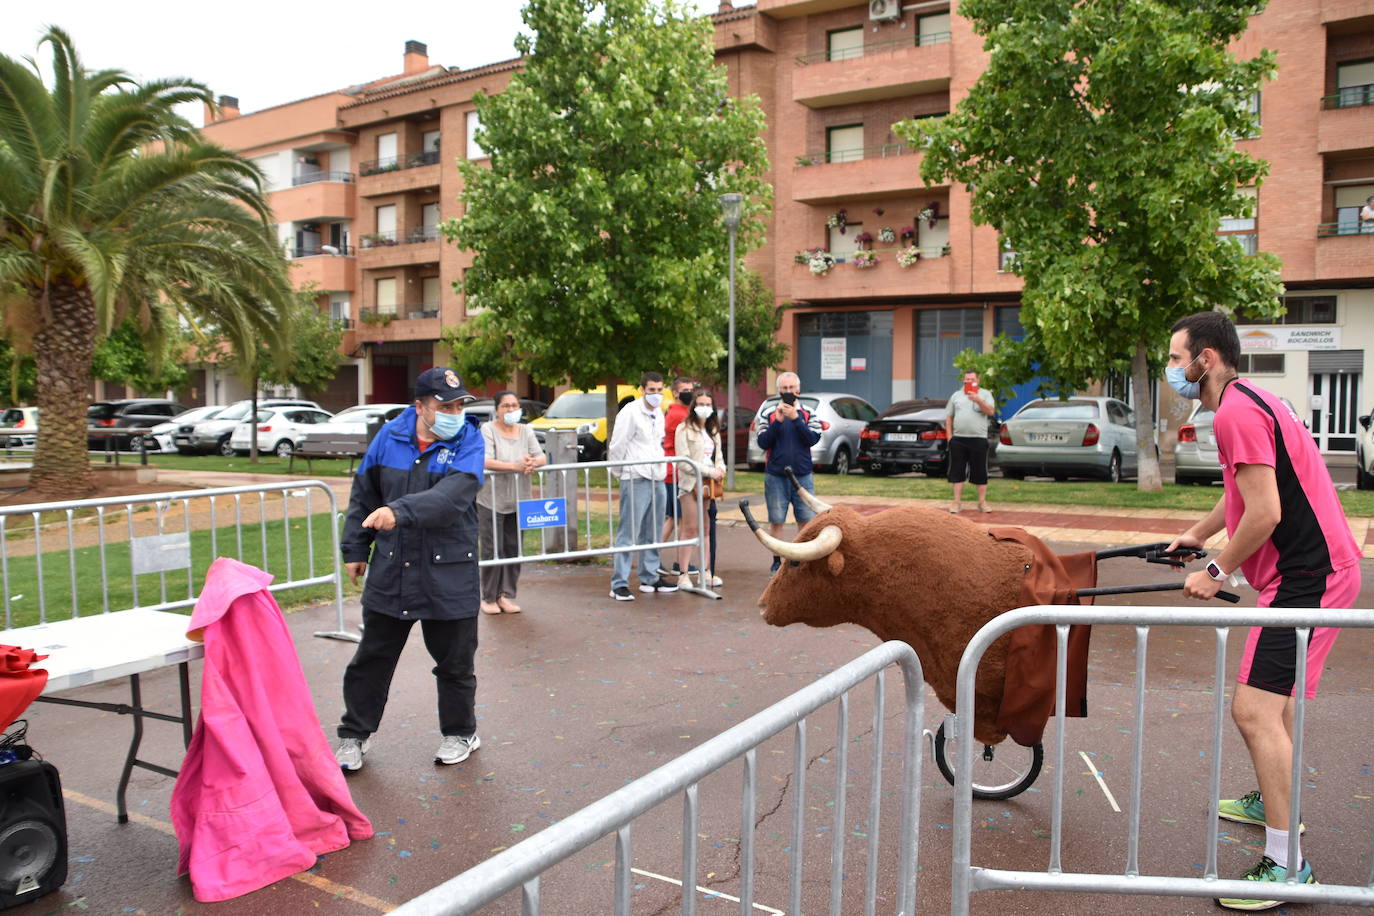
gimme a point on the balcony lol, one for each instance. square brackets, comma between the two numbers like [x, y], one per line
[1345, 250]
[929, 276]
[1347, 120]
[418, 245]
[398, 174]
[419, 321]
[313, 197]
[873, 171]
[883, 70]
[329, 272]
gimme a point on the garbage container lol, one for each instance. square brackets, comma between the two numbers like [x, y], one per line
[374, 426]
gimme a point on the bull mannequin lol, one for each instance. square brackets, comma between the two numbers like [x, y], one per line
[922, 576]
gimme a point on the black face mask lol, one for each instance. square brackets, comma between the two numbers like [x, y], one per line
[685, 397]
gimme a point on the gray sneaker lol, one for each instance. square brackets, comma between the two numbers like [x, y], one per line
[456, 748]
[350, 752]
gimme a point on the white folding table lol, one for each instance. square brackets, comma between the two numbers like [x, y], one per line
[102, 647]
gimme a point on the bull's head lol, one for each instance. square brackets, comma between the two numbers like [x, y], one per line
[806, 589]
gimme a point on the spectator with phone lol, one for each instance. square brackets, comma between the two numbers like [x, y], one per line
[966, 424]
[786, 434]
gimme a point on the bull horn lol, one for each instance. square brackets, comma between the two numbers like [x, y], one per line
[815, 505]
[824, 544]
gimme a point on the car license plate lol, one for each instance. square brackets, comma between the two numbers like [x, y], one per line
[902, 437]
[1046, 437]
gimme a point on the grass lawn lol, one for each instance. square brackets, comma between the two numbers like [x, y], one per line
[267, 464]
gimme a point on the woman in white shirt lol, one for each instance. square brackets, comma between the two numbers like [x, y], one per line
[698, 438]
[513, 448]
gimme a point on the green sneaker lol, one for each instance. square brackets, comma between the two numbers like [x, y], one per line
[1266, 870]
[1248, 809]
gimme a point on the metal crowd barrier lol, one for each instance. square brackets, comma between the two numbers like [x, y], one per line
[589, 495]
[167, 534]
[967, 877]
[522, 865]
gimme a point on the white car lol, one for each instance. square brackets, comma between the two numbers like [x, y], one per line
[278, 429]
[159, 437]
[355, 419]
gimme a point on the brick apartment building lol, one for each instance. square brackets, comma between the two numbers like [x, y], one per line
[361, 177]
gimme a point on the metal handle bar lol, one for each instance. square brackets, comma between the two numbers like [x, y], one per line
[1148, 587]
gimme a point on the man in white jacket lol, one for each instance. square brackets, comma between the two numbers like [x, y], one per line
[638, 436]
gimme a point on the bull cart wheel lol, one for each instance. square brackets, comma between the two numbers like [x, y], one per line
[999, 771]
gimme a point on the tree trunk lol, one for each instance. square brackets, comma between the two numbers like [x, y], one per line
[62, 348]
[612, 408]
[1147, 477]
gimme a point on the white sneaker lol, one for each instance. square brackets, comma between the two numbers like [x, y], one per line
[716, 581]
[456, 748]
[350, 752]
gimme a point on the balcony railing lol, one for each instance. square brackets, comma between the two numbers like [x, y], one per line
[410, 237]
[319, 251]
[397, 163]
[876, 47]
[1345, 227]
[318, 175]
[422, 310]
[342, 324]
[856, 154]
[1350, 97]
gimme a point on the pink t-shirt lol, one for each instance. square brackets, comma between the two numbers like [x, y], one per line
[1253, 426]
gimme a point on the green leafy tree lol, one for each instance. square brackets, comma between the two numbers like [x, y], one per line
[1100, 142]
[111, 203]
[757, 320]
[596, 232]
[482, 351]
[147, 359]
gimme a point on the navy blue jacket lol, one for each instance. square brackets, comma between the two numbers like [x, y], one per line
[425, 567]
[788, 442]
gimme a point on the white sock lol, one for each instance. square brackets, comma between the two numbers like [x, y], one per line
[1276, 846]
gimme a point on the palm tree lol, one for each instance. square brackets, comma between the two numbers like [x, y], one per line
[112, 205]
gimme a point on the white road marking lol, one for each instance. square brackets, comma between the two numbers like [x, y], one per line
[1098, 776]
[707, 891]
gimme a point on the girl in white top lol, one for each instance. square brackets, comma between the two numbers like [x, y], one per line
[698, 438]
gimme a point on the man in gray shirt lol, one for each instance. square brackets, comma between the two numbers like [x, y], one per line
[966, 425]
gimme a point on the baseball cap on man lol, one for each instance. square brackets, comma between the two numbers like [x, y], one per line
[442, 384]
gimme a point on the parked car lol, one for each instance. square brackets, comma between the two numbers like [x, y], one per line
[127, 413]
[278, 429]
[482, 409]
[911, 436]
[843, 417]
[1079, 437]
[585, 412]
[213, 435]
[1195, 453]
[350, 421]
[160, 437]
[744, 418]
[20, 418]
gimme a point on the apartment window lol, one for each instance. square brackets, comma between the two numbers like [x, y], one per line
[1241, 229]
[1302, 310]
[474, 124]
[842, 44]
[429, 217]
[1261, 364]
[842, 244]
[844, 144]
[386, 296]
[429, 141]
[1006, 260]
[430, 290]
[1355, 84]
[386, 223]
[386, 149]
[1252, 105]
[1349, 199]
[338, 307]
[932, 29]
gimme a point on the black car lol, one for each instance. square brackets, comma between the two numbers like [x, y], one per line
[129, 413]
[910, 436]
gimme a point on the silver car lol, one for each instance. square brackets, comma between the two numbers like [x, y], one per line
[212, 435]
[1195, 453]
[843, 417]
[1080, 437]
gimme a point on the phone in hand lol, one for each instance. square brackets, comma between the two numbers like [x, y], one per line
[970, 388]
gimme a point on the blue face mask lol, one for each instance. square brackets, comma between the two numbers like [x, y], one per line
[1178, 380]
[446, 425]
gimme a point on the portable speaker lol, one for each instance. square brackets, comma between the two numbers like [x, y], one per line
[33, 832]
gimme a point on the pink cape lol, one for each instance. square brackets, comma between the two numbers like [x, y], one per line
[259, 795]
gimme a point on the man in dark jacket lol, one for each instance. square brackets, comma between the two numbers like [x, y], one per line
[787, 433]
[412, 515]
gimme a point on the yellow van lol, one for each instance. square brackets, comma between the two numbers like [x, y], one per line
[585, 412]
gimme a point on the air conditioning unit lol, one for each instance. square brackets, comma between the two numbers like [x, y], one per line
[885, 10]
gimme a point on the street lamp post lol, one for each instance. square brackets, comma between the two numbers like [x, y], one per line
[730, 207]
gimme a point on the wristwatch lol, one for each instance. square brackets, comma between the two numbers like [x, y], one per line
[1215, 572]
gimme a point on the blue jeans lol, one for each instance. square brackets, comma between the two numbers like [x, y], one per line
[779, 493]
[641, 522]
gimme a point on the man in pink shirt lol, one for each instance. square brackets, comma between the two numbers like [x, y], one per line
[1287, 532]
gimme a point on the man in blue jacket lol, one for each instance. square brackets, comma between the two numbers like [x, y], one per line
[412, 515]
[787, 433]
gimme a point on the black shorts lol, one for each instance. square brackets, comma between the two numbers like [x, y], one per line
[968, 458]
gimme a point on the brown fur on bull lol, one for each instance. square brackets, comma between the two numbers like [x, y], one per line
[925, 577]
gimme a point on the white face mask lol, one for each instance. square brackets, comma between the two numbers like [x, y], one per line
[512, 417]
[653, 400]
[702, 411]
